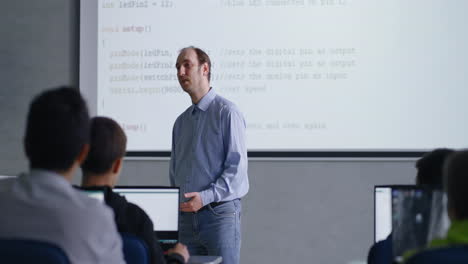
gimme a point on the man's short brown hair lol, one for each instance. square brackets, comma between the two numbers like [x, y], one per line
[108, 143]
[202, 58]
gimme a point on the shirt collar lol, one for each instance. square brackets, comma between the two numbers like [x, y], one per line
[47, 176]
[206, 100]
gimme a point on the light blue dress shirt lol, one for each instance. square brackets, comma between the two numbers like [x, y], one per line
[42, 205]
[209, 154]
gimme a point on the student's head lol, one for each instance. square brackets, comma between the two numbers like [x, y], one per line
[456, 185]
[193, 68]
[430, 166]
[107, 148]
[57, 130]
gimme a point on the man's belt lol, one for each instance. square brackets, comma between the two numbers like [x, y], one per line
[214, 204]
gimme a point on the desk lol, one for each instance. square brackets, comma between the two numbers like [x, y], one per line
[205, 260]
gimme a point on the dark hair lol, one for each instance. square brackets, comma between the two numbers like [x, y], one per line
[456, 183]
[108, 143]
[430, 167]
[57, 129]
[202, 58]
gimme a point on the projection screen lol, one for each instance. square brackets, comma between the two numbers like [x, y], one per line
[334, 76]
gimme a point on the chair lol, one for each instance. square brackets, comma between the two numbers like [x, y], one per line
[21, 251]
[446, 255]
[135, 249]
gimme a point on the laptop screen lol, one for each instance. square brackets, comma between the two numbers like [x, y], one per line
[160, 203]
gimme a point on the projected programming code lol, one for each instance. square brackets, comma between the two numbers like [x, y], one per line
[282, 3]
[152, 71]
[133, 4]
[287, 125]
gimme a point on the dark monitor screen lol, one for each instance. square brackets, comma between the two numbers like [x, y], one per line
[417, 214]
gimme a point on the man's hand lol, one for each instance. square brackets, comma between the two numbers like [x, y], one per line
[194, 204]
[180, 249]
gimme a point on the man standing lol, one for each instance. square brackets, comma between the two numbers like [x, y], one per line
[208, 163]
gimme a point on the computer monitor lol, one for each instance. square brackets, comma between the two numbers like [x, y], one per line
[382, 212]
[162, 206]
[413, 214]
[411, 218]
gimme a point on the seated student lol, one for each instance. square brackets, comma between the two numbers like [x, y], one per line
[42, 204]
[456, 186]
[100, 171]
[429, 173]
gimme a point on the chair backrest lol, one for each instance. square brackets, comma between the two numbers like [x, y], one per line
[135, 249]
[448, 255]
[20, 251]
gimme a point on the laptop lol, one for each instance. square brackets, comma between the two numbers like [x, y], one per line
[162, 206]
[411, 213]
